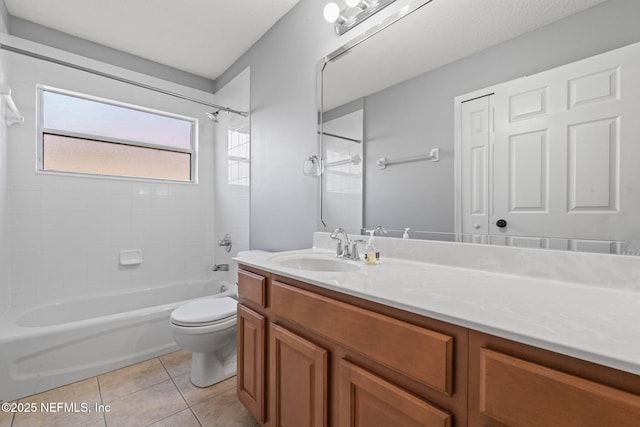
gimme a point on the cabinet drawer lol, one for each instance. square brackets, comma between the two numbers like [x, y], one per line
[252, 288]
[521, 393]
[368, 400]
[419, 353]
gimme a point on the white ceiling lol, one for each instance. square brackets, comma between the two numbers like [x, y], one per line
[203, 37]
[440, 32]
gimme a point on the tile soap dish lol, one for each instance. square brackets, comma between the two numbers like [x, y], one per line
[131, 257]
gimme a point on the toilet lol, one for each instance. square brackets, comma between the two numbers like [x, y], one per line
[207, 329]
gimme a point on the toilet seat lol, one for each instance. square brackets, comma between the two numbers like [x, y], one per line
[204, 312]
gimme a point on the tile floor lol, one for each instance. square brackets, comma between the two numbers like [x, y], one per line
[156, 392]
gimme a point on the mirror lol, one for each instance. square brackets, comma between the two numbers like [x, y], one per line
[387, 99]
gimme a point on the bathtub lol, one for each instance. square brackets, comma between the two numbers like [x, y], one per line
[59, 343]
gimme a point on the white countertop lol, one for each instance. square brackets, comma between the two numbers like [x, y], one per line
[600, 324]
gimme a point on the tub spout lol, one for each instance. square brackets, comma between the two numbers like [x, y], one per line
[220, 267]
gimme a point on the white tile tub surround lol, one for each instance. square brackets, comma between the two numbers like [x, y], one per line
[67, 242]
[66, 232]
[580, 304]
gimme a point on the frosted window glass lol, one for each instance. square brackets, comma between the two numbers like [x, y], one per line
[67, 154]
[78, 115]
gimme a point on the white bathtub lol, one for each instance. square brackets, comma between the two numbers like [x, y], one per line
[63, 342]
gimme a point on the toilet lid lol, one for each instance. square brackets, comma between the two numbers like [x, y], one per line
[204, 311]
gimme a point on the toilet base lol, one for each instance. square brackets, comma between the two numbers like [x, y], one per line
[207, 370]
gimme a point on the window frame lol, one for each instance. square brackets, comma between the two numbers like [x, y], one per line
[41, 131]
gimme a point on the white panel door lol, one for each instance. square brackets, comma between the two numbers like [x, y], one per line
[566, 153]
[475, 137]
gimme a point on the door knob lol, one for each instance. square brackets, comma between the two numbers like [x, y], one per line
[501, 223]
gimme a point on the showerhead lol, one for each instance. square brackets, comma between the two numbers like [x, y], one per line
[213, 116]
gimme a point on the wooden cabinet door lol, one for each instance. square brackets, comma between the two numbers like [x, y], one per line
[368, 400]
[520, 393]
[298, 380]
[251, 358]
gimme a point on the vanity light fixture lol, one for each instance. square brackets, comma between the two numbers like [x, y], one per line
[354, 13]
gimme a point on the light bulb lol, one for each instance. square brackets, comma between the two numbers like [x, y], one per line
[352, 3]
[331, 12]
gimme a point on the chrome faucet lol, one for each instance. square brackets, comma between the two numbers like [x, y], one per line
[346, 248]
[380, 230]
[342, 250]
[225, 242]
[353, 248]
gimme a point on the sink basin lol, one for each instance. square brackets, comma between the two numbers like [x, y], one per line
[314, 262]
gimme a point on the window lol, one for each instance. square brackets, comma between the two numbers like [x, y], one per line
[80, 134]
[238, 157]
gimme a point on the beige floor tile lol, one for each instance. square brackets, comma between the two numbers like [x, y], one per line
[5, 419]
[223, 410]
[181, 419]
[194, 395]
[71, 405]
[119, 383]
[177, 363]
[62, 420]
[85, 390]
[146, 406]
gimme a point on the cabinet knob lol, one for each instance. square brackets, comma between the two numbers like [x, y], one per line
[501, 223]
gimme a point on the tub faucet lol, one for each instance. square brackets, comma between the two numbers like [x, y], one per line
[220, 267]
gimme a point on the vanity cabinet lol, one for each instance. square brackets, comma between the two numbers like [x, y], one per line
[342, 361]
[334, 359]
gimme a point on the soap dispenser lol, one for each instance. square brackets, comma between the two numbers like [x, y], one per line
[371, 254]
[406, 233]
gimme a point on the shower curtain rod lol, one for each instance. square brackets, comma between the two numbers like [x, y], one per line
[6, 47]
[357, 141]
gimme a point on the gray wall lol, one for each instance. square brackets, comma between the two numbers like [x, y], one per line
[28, 30]
[417, 115]
[4, 17]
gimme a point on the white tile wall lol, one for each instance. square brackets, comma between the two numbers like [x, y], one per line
[4, 233]
[66, 232]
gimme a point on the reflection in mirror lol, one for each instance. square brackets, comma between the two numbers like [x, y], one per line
[342, 178]
[407, 73]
